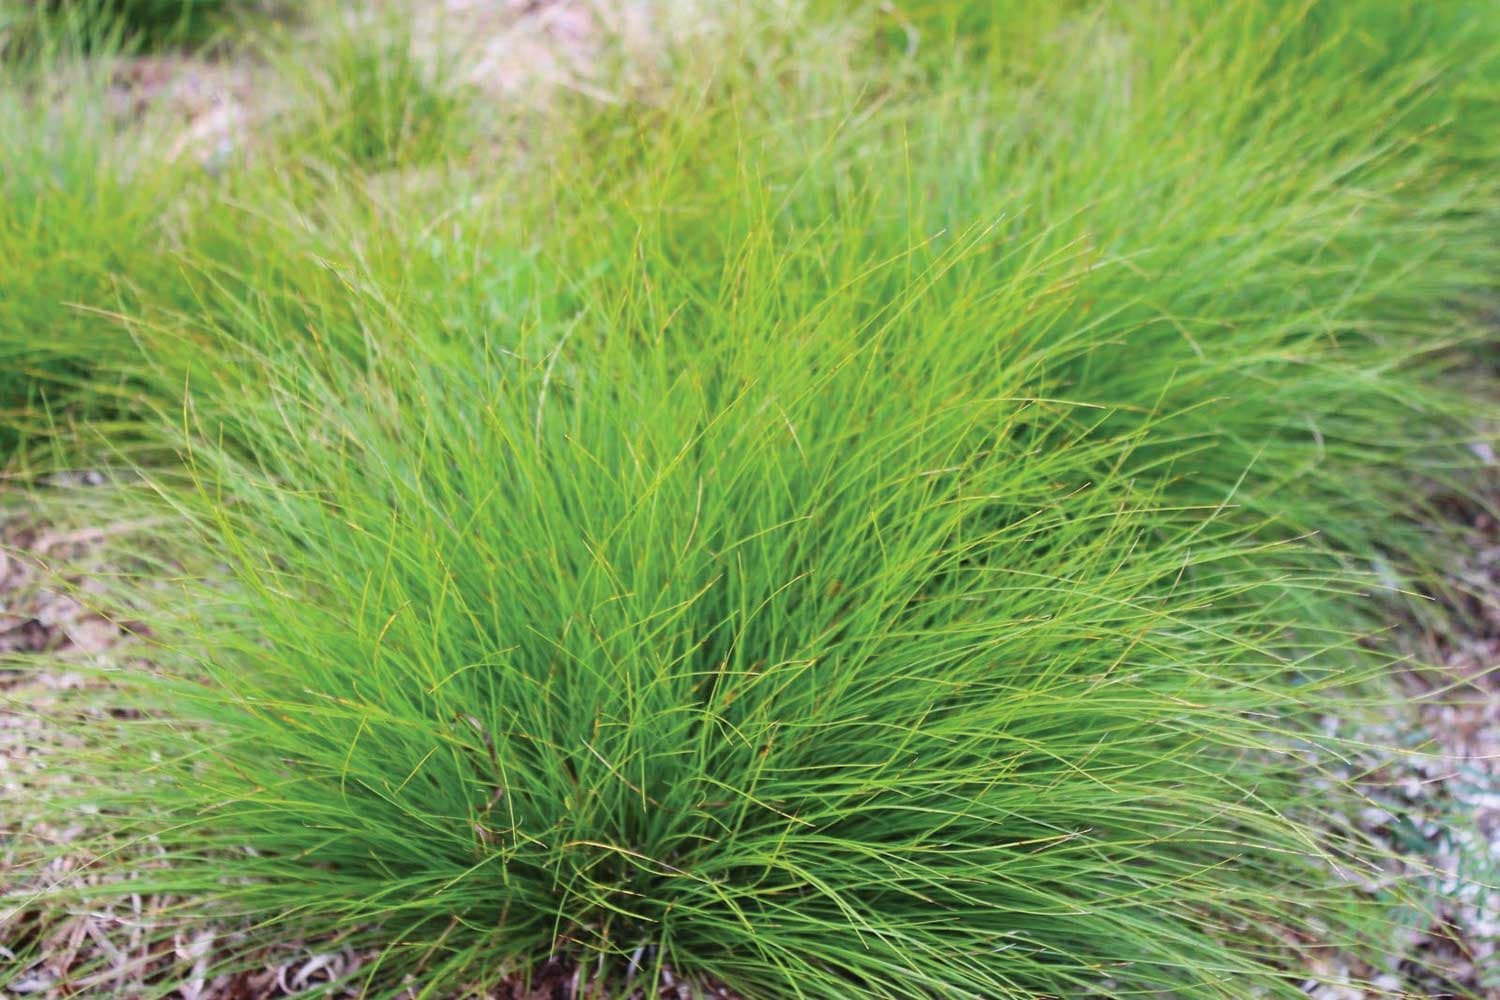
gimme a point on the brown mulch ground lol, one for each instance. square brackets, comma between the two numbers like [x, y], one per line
[1432, 779]
[510, 53]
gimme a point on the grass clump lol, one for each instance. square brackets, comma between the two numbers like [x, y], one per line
[806, 674]
[84, 213]
[372, 103]
[106, 25]
[863, 525]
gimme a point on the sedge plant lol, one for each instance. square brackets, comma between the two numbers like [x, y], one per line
[853, 524]
[85, 232]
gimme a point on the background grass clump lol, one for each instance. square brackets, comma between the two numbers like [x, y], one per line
[374, 104]
[885, 515]
[102, 26]
[84, 231]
